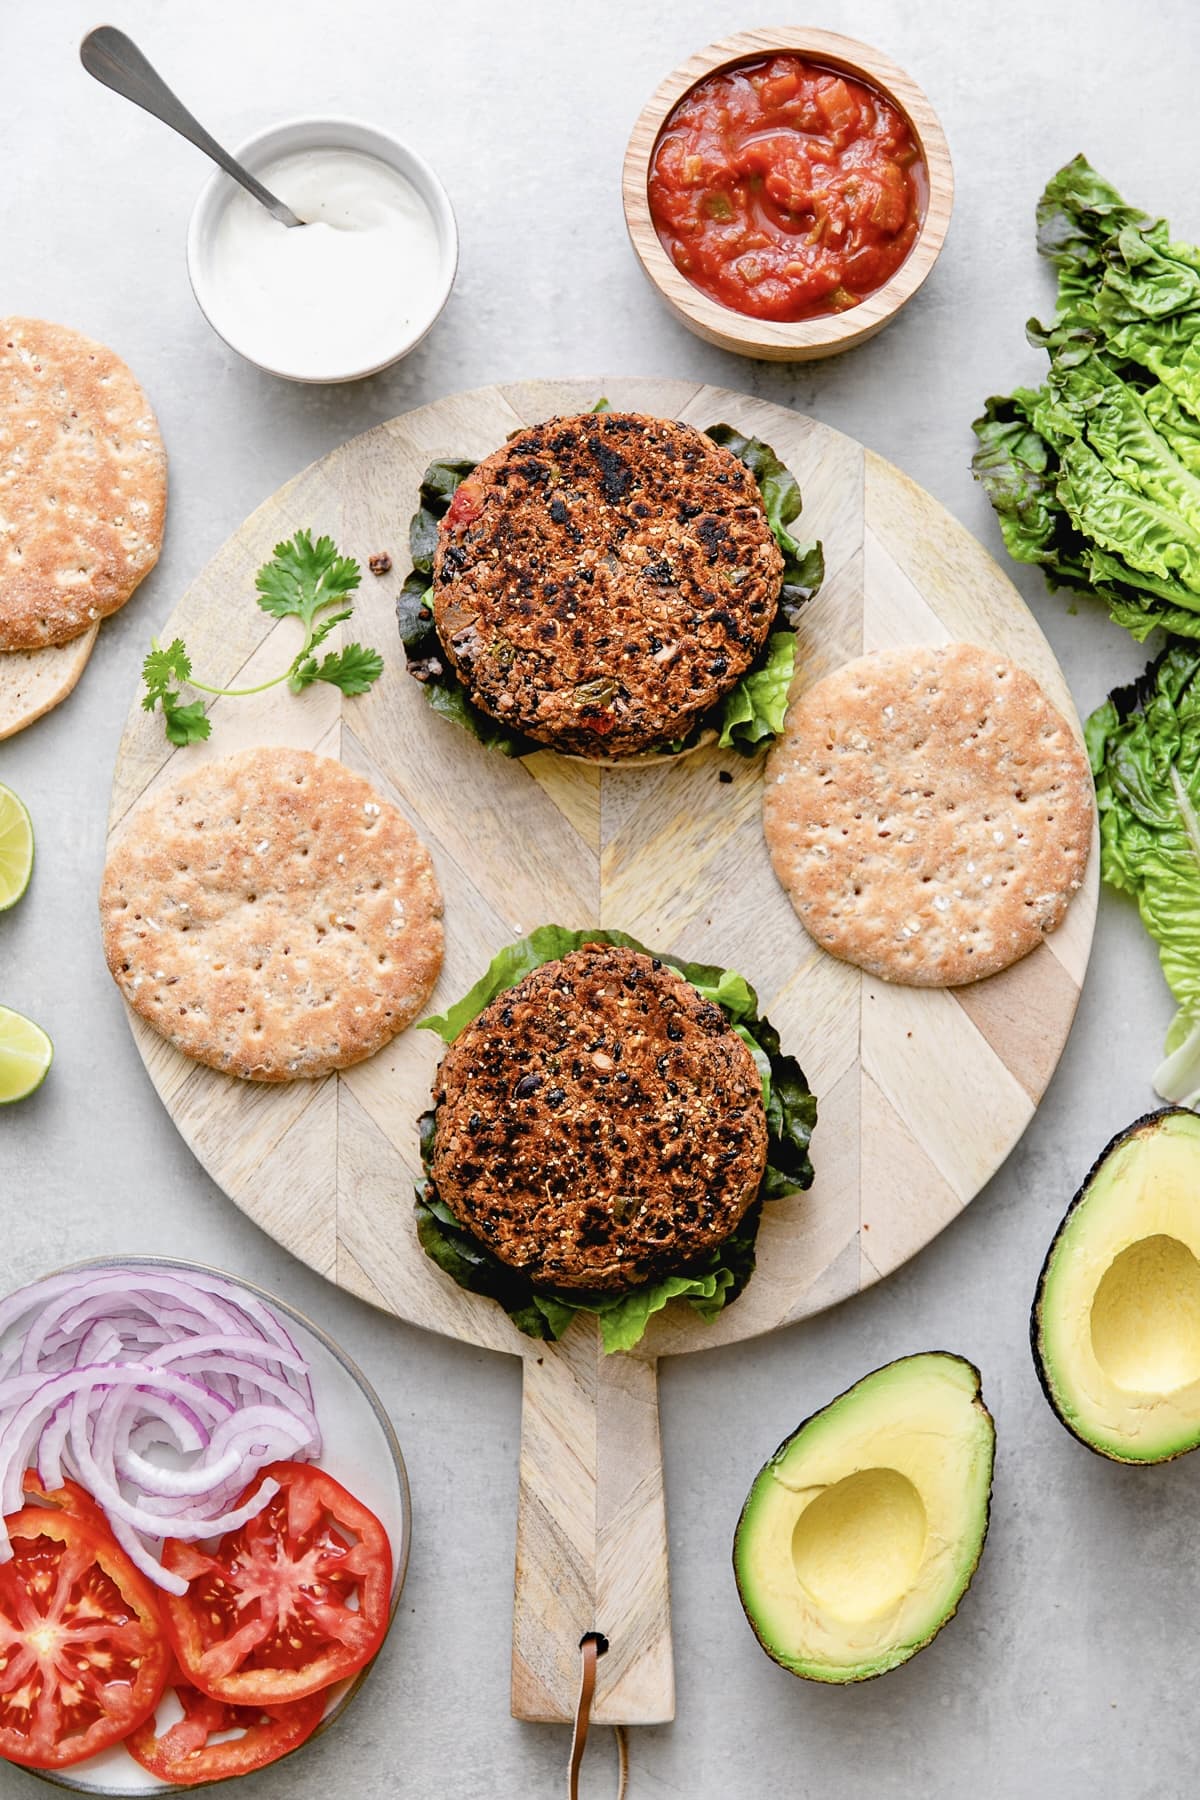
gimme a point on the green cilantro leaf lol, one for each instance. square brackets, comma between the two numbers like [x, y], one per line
[304, 577]
[162, 667]
[185, 724]
[353, 669]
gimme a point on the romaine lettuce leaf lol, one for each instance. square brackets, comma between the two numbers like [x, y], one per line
[803, 569]
[1144, 744]
[507, 967]
[1147, 535]
[1096, 474]
[757, 705]
[1172, 420]
[1167, 350]
[1076, 216]
[1140, 616]
[750, 715]
[1019, 472]
[709, 1284]
[1092, 404]
[624, 1317]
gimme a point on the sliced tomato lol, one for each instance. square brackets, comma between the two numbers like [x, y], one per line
[466, 505]
[201, 1746]
[295, 1599]
[70, 1497]
[83, 1652]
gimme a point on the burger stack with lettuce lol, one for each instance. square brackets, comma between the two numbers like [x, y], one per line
[607, 1126]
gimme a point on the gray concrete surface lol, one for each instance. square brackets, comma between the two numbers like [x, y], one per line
[1070, 1670]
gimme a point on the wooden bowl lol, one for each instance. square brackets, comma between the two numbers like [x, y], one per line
[804, 339]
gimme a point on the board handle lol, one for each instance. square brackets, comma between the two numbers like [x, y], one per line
[591, 1536]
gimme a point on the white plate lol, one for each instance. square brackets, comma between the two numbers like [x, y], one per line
[360, 1450]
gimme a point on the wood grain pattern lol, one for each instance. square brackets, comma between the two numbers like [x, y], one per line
[806, 339]
[591, 1548]
[33, 682]
[922, 1093]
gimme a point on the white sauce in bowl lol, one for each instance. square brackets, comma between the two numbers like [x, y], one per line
[348, 291]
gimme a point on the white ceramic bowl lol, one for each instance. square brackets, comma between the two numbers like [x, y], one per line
[317, 134]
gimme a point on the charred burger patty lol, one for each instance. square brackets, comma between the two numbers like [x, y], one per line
[599, 1123]
[601, 581]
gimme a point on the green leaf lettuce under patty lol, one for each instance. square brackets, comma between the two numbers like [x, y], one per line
[1144, 743]
[709, 1283]
[753, 711]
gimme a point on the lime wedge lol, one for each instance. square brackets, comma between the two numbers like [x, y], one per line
[16, 848]
[25, 1056]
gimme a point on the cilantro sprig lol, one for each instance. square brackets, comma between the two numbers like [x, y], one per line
[184, 724]
[304, 580]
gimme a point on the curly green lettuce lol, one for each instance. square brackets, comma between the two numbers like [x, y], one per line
[755, 709]
[750, 716]
[1095, 475]
[708, 1285]
[1144, 743]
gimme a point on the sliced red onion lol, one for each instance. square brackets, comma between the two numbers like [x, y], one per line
[162, 1392]
[226, 1345]
[217, 1369]
[143, 1557]
[101, 1344]
[52, 1445]
[230, 1440]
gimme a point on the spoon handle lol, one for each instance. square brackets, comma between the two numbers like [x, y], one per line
[115, 60]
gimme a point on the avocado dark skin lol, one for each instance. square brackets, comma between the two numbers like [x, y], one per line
[1148, 1122]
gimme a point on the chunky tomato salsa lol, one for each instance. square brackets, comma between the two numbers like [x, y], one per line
[786, 190]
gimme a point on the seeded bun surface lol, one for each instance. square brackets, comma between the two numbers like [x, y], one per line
[271, 916]
[83, 484]
[929, 812]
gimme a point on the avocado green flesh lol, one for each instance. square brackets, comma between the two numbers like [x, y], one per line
[1117, 1317]
[860, 1535]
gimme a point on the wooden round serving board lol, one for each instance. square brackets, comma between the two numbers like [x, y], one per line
[922, 1092]
[32, 682]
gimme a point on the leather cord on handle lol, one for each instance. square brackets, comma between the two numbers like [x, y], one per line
[591, 1649]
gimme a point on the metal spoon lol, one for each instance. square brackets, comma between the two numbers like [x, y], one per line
[116, 60]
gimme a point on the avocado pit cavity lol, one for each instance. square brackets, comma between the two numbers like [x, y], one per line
[857, 1548]
[1146, 1317]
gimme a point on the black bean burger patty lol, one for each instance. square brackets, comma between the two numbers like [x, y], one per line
[599, 1123]
[602, 580]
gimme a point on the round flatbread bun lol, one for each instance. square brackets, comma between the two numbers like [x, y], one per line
[33, 682]
[602, 581]
[599, 1123]
[83, 484]
[929, 813]
[271, 916]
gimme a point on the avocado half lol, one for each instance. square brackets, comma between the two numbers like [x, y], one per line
[1116, 1320]
[861, 1534]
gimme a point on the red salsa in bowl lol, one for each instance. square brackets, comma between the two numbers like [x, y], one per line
[787, 190]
